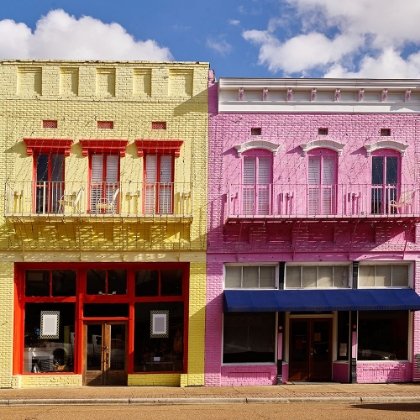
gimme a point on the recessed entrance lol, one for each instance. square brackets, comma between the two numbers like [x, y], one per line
[105, 355]
[310, 355]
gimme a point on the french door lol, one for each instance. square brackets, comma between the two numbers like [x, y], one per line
[256, 186]
[49, 188]
[384, 183]
[322, 185]
[104, 185]
[105, 354]
[159, 186]
[310, 350]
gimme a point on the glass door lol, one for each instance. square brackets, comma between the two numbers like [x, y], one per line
[310, 357]
[105, 356]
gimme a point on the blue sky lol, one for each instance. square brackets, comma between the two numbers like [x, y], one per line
[249, 38]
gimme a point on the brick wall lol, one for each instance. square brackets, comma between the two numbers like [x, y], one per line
[131, 95]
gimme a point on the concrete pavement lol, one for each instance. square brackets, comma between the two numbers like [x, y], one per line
[323, 393]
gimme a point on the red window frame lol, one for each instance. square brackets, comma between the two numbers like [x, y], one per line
[107, 188]
[48, 190]
[161, 190]
[82, 298]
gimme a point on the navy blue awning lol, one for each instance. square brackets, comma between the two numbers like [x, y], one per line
[321, 300]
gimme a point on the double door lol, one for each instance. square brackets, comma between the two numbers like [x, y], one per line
[310, 350]
[105, 353]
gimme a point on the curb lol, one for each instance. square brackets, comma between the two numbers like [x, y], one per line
[215, 400]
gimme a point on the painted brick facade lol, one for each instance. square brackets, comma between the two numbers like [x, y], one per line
[244, 119]
[131, 96]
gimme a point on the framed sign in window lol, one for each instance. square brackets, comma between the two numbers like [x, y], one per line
[50, 324]
[159, 321]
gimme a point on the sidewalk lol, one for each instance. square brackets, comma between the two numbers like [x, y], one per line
[324, 393]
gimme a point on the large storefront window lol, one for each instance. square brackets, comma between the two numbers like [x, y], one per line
[49, 337]
[158, 337]
[249, 338]
[79, 317]
[383, 335]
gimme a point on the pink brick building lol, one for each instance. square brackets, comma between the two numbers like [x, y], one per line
[313, 241]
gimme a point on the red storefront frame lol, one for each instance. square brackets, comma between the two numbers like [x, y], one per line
[82, 298]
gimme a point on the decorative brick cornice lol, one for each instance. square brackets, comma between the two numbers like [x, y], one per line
[159, 146]
[104, 146]
[48, 146]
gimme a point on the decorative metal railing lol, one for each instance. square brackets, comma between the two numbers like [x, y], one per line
[338, 200]
[81, 198]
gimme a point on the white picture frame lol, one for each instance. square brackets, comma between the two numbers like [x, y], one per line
[50, 325]
[159, 324]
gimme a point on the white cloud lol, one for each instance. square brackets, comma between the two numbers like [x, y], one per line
[221, 46]
[300, 52]
[359, 38]
[234, 22]
[61, 36]
[389, 64]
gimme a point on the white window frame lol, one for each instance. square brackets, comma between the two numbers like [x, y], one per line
[276, 276]
[410, 281]
[346, 264]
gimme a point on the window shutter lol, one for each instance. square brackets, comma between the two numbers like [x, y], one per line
[112, 168]
[328, 185]
[248, 189]
[96, 181]
[314, 169]
[264, 180]
[249, 170]
[165, 185]
[328, 170]
[151, 179]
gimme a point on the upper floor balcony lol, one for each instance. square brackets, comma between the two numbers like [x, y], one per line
[302, 201]
[169, 201]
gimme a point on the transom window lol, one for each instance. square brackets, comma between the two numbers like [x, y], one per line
[50, 283]
[384, 275]
[250, 277]
[321, 276]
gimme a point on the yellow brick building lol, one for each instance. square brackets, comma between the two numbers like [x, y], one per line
[103, 235]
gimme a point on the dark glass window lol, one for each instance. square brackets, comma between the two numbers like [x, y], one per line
[96, 282]
[37, 283]
[343, 336]
[249, 338]
[50, 283]
[171, 282]
[106, 282]
[47, 354]
[384, 182]
[383, 335]
[159, 354]
[147, 283]
[100, 310]
[158, 283]
[63, 283]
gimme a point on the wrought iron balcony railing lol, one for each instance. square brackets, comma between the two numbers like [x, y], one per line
[135, 199]
[338, 200]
